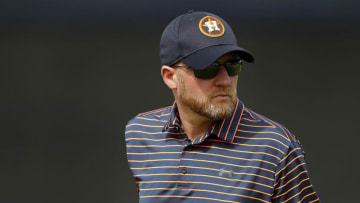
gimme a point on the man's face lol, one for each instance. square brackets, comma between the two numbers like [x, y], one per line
[213, 98]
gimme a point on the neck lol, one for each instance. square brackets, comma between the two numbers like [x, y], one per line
[194, 124]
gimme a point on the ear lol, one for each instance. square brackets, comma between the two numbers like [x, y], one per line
[169, 76]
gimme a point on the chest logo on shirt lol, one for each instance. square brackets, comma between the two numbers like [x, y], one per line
[211, 26]
[226, 173]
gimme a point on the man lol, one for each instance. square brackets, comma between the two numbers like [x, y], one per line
[207, 146]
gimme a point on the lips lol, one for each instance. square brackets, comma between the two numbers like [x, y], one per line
[222, 95]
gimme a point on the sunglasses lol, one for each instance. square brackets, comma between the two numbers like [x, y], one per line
[233, 67]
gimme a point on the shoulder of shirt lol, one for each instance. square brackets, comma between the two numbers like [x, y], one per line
[154, 116]
[253, 120]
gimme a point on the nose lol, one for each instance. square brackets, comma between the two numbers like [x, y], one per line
[223, 78]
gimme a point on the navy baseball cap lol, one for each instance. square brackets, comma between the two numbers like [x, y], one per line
[198, 39]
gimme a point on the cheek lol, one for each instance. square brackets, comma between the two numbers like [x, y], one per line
[197, 91]
[191, 87]
[234, 81]
[202, 88]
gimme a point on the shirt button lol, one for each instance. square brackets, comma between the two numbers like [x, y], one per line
[184, 170]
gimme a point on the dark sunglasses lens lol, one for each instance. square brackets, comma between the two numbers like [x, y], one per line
[233, 67]
[208, 72]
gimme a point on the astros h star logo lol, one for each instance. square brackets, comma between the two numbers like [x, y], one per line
[211, 26]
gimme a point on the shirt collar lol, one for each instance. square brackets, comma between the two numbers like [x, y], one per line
[173, 121]
[224, 129]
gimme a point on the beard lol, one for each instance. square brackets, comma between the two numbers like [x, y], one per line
[204, 106]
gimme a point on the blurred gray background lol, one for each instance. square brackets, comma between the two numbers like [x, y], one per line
[72, 74]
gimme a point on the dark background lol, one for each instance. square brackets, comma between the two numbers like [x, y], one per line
[72, 73]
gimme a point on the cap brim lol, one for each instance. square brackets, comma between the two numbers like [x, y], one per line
[205, 57]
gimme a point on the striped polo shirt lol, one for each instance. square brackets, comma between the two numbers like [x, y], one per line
[243, 158]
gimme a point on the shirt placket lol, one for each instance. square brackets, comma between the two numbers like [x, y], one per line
[183, 170]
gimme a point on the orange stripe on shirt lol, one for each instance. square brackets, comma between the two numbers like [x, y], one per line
[128, 146]
[198, 160]
[150, 126]
[298, 193]
[151, 153]
[241, 151]
[205, 183]
[231, 157]
[207, 176]
[151, 119]
[203, 190]
[274, 124]
[153, 167]
[152, 133]
[291, 180]
[188, 197]
[250, 114]
[292, 151]
[152, 160]
[154, 111]
[232, 118]
[247, 119]
[292, 170]
[203, 168]
[295, 186]
[229, 164]
[263, 138]
[250, 145]
[264, 132]
[289, 164]
[316, 200]
[155, 140]
[237, 125]
[257, 126]
[302, 199]
[222, 125]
